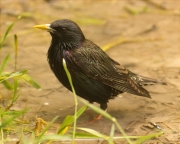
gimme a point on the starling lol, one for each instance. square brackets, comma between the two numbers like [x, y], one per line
[95, 76]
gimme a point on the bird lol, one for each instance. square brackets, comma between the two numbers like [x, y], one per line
[95, 76]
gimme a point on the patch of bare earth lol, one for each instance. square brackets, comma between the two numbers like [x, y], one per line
[155, 54]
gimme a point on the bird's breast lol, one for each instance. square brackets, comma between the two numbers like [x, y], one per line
[55, 58]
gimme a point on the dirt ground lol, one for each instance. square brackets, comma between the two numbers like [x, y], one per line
[155, 54]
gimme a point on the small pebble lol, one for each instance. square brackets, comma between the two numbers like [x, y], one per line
[46, 103]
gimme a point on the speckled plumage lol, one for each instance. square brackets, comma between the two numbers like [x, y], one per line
[95, 76]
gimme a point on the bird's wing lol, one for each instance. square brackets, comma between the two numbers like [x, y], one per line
[144, 81]
[96, 64]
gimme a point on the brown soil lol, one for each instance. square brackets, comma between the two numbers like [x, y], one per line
[155, 55]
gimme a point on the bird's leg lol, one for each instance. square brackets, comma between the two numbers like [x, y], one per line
[103, 106]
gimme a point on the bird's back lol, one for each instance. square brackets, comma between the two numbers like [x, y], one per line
[97, 65]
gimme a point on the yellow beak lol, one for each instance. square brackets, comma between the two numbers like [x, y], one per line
[44, 27]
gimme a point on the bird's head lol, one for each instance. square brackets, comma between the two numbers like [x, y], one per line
[65, 32]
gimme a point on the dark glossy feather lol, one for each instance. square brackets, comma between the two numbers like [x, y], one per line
[95, 76]
[96, 64]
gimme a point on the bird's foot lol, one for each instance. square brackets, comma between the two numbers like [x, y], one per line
[98, 117]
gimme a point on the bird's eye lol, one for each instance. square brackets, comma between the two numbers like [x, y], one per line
[64, 29]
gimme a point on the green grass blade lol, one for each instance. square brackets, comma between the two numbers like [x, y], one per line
[131, 10]
[69, 76]
[11, 119]
[147, 137]
[7, 32]
[46, 128]
[110, 140]
[93, 132]
[85, 136]
[15, 50]
[31, 81]
[67, 121]
[15, 96]
[81, 110]
[70, 119]
[15, 88]
[75, 98]
[5, 35]
[3, 112]
[53, 137]
[4, 63]
[7, 85]
[11, 75]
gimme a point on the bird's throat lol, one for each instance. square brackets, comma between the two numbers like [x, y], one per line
[65, 44]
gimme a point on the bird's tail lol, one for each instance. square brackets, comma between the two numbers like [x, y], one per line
[144, 81]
